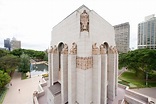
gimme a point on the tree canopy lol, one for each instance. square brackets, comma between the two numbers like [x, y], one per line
[140, 60]
[3, 53]
[36, 55]
[9, 63]
[4, 79]
[24, 65]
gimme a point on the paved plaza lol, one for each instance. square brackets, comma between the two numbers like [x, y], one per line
[27, 87]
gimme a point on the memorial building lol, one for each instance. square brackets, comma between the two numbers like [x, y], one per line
[83, 60]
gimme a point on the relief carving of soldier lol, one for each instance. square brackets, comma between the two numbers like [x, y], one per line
[84, 21]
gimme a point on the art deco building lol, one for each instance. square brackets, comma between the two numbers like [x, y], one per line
[147, 33]
[122, 37]
[83, 60]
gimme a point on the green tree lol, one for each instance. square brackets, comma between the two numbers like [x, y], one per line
[9, 63]
[3, 53]
[24, 65]
[17, 52]
[4, 79]
[45, 57]
[141, 60]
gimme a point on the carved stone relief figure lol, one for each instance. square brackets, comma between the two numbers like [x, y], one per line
[73, 50]
[111, 50]
[84, 21]
[65, 49]
[54, 49]
[102, 49]
[115, 50]
[95, 49]
[51, 49]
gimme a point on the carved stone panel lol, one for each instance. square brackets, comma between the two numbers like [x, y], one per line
[84, 62]
[84, 21]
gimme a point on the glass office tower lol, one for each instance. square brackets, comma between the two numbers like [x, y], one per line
[147, 33]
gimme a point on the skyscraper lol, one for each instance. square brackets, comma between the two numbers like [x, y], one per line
[122, 38]
[7, 44]
[147, 33]
[15, 44]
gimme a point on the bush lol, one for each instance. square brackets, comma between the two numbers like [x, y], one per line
[2, 94]
[23, 76]
[4, 79]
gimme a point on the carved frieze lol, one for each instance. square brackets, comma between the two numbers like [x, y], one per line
[84, 21]
[95, 49]
[73, 50]
[84, 62]
[65, 49]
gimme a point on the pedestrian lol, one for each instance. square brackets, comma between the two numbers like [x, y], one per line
[10, 84]
[19, 90]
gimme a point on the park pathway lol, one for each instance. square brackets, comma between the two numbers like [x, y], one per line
[121, 71]
[27, 87]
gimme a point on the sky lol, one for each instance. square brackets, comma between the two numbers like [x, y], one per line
[31, 21]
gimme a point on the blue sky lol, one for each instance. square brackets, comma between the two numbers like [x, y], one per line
[31, 21]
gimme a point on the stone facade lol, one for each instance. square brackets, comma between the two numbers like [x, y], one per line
[83, 60]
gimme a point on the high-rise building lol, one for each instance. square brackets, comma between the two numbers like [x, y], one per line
[83, 60]
[147, 33]
[7, 44]
[122, 37]
[15, 44]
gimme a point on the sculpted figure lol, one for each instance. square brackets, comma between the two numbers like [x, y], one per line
[115, 49]
[55, 49]
[65, 49]
[111, 50]
[51, 49]
[73, 50]
[84, 21]
[102, 49]
[95, 49]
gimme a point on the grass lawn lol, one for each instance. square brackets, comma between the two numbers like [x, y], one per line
[2, 94]
[132, 81]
